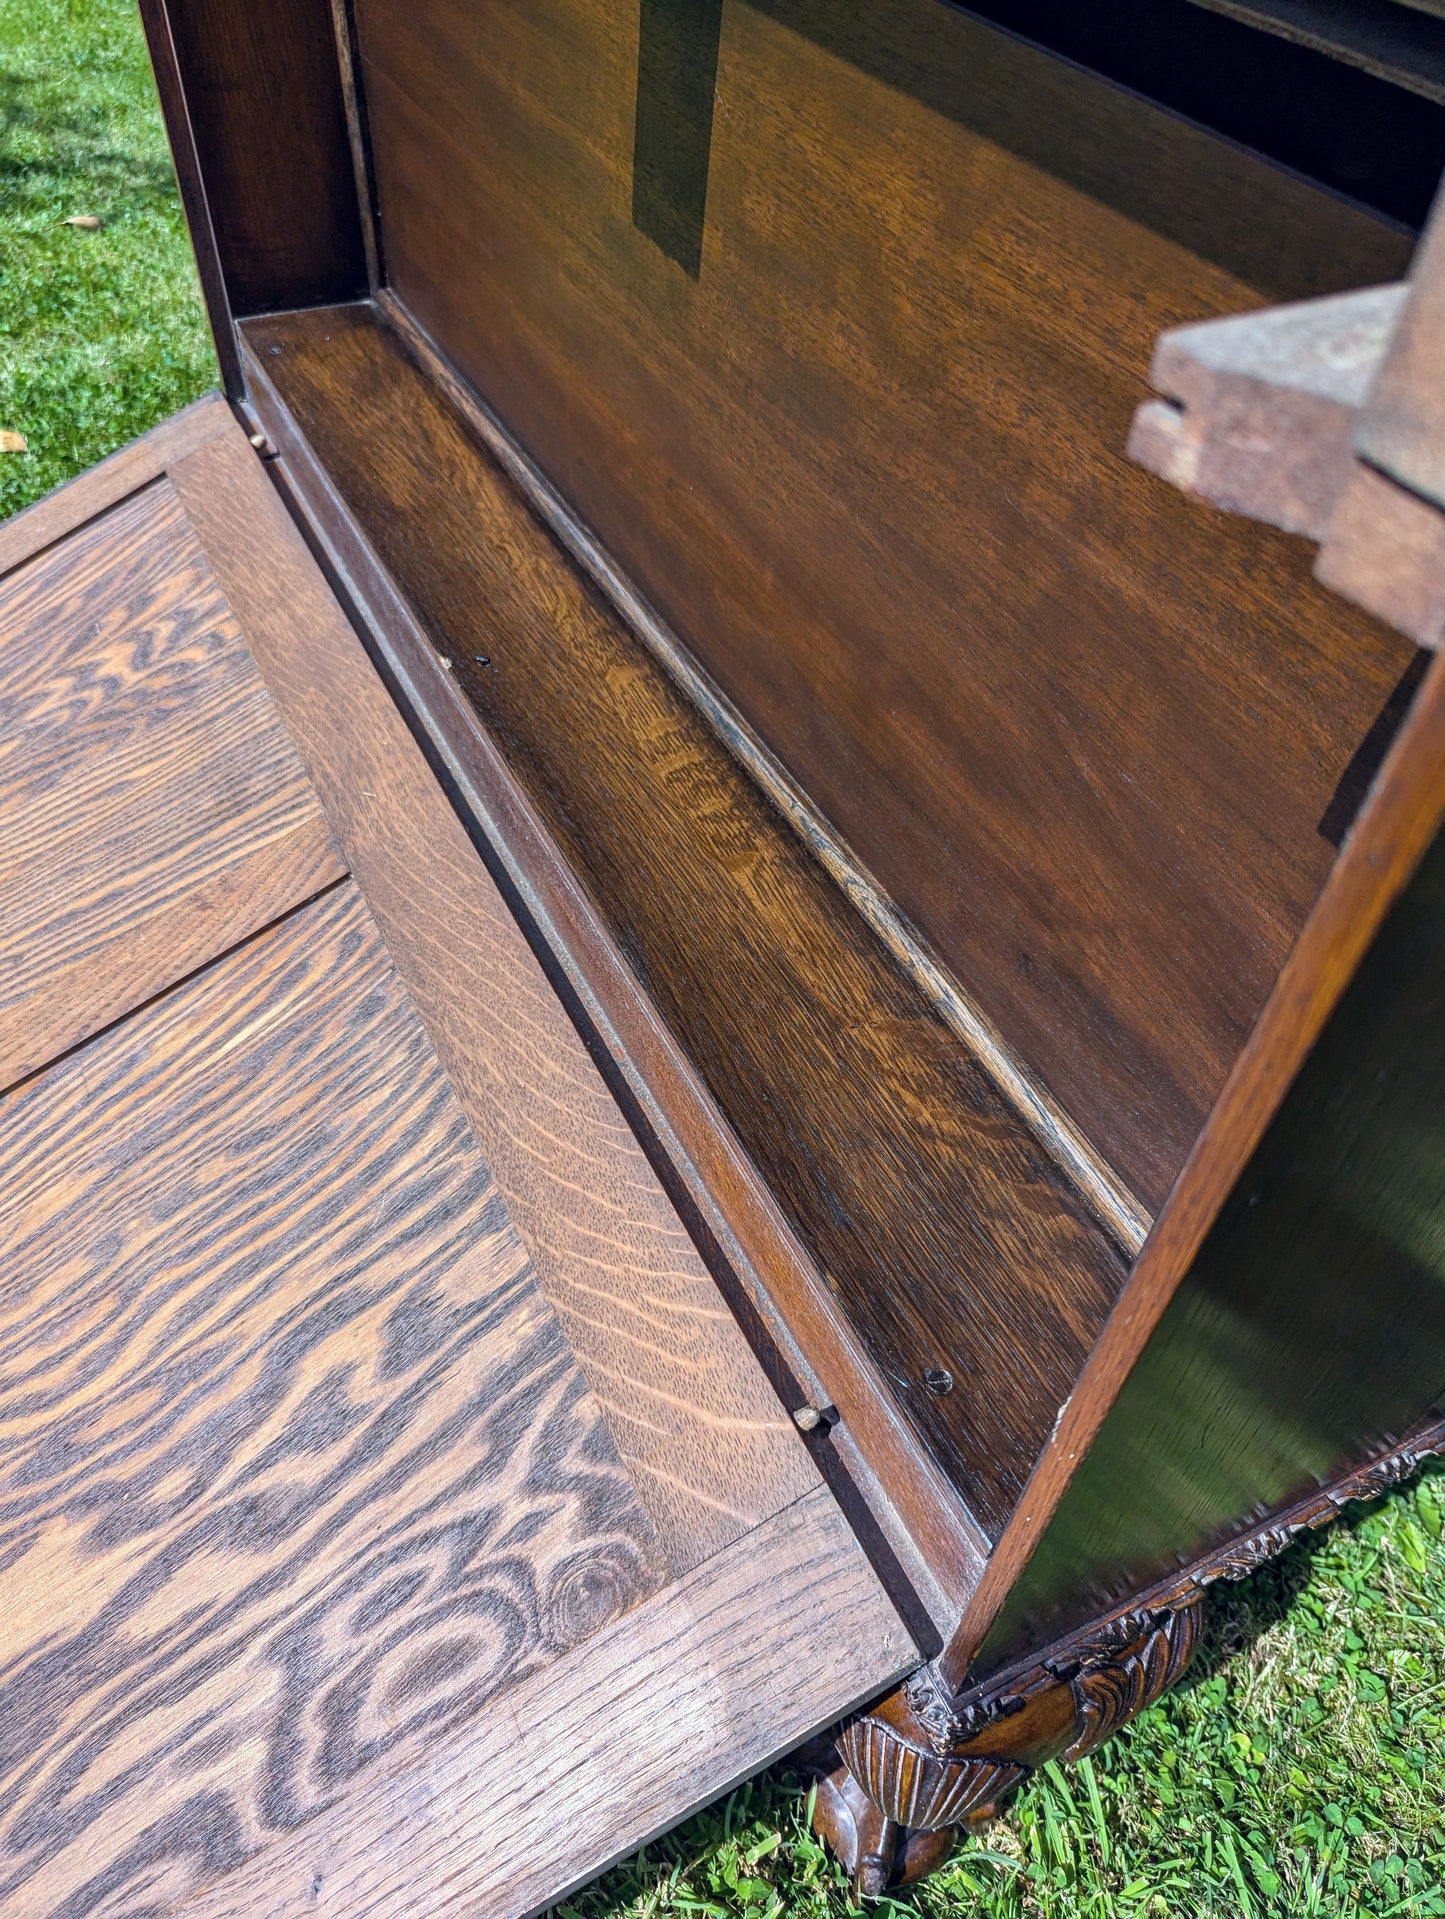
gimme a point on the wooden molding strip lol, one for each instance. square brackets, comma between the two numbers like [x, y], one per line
[1400, 818]
[1400, 43]
[1098, 1183]
[175, 109]
[343, 23]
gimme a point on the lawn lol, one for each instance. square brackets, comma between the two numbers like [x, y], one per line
[1298, 1769]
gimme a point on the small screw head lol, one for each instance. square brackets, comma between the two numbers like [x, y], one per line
[807, 1418]
[938, 1380]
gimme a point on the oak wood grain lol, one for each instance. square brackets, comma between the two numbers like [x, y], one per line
[811, 1352]
[598, 1752]
[152, 810]
[701, 1431]
[295, 1465]
[869, 465]
[948, 1236]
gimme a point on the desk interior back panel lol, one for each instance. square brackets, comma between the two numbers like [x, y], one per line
[831, 325]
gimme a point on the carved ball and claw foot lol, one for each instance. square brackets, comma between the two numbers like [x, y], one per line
[897, 1783]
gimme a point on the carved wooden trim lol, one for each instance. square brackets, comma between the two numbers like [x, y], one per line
[898, 1781]
[906, 1775]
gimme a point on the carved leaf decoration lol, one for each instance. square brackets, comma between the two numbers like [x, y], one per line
[917, 1790]
[1109, 1694]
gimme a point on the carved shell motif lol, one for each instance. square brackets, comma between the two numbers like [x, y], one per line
[915, 1788]
[1108, 1694]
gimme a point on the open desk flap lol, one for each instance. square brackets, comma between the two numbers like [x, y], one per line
[394, 1517]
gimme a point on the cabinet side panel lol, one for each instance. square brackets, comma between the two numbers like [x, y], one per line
[1311, 1331]
[263, 88]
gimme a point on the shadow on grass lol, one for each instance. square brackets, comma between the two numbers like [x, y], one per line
[80, 160]
[1239, 1614]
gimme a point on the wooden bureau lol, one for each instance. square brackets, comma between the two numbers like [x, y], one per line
[716, 1033]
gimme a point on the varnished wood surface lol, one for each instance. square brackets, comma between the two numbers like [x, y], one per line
[155, 18]
[644, 1723]
[1310, 1331]
[869, 464]
[771, 1281]
[295, 1464]
[302, 1488]
[1095, 1180]
[263, 99]
[949, 1237]
[710, 1447]
[1396, 826]
[152, 810]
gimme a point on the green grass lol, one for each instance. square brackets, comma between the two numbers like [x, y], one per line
[1298, 1770]
[101, 334]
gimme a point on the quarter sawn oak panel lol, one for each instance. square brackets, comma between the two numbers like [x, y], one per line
[709, 1447]
[295, 1464]
[152, 810]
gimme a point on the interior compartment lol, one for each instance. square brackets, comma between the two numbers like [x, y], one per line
[831, 330]
[950, 1239]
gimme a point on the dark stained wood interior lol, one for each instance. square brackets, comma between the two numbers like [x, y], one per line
[263, 88]
[864, 452]
[950, 1238]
